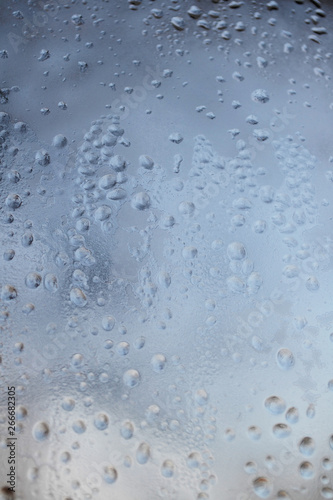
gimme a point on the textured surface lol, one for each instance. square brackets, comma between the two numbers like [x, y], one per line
[166, 249]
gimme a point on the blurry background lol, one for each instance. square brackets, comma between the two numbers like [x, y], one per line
[167, 249]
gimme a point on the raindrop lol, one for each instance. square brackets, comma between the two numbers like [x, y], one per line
[78, 298]
[143, 453]
[101, 421]
[110, 474]
[131, 378]
[292, 415]
[79, 426]
[306, 470]
[146, 162]
[68, 404]
[13, 201]
[236, 251]
[262, 487]
[285, 359]
[275, 405]
[127, 430]
[40, 431]
[33, 280]
[158, 362]
[59, 141]
[281, 430]
[141, 201]
[260, 95]
[307, 446]
[178, 23]
[168, 468]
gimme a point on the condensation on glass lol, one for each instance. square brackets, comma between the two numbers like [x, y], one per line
[166, 250]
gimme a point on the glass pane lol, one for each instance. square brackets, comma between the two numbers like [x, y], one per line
[166, 250]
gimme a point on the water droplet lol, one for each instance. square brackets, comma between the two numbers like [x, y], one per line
[189, 253]
[236, 251]
[108, 323]
[275, 405]
[259, 226]
[254, 433]
[118, 163]
[176, 138]
[260, 95]
[201, 397]
[123, 348]
[307, 446]
[77, 360]
[8, 292]
[178, 23]
[9, 254]
[131, 378]
[27, 239]
[79, 426]
[33, 280]
[186, 208]
[292, 415]
[146, 162]
[78, 298]
[51, 282]
[250, 468]
[21, 412]
[158, 362]
[143, 453]
[107, 181]
[331, 442]
[194, 12]
[281, 430]
[285, 359]
[42, 157]
[127, 430]
[311, 411]
[65, 457]
[312, 283]
[110, 474]
[327, 492]
[68, 404]
[168, 468]
[40, 431]
[13, 201]
[141, 201]
[193, 460]
[102, 213]
[306, 470]
[101, 421]
[59, 141]
[262, 487]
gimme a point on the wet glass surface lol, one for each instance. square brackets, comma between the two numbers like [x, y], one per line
[166, 249]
